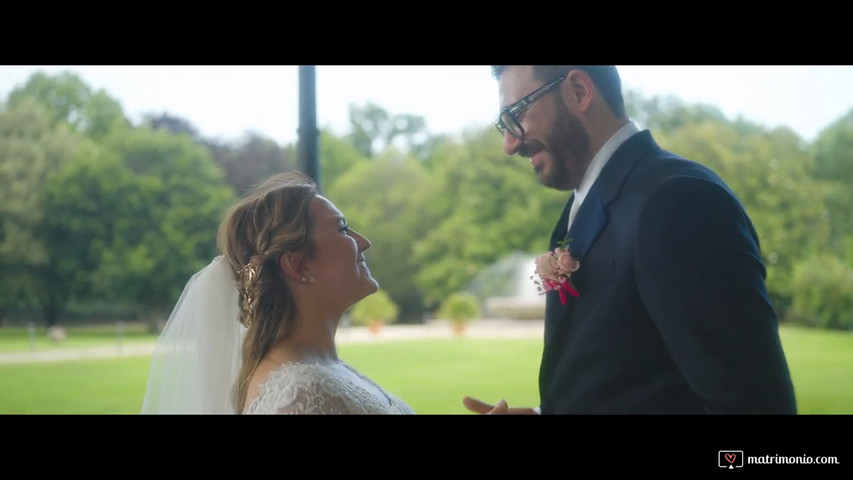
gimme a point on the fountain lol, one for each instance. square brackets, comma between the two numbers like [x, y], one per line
[506, 290]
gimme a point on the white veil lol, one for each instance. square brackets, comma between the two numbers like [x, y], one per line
[197, 357]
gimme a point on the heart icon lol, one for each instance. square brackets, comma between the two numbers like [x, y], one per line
[730, 457]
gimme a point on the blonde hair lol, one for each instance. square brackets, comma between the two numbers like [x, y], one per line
[272, 220]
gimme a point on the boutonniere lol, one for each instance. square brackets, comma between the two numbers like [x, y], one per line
[554, 271]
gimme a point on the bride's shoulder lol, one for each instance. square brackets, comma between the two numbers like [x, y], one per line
[295, 387]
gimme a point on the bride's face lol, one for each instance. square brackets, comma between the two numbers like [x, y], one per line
[338, 265]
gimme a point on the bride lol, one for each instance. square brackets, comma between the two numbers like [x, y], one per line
[254, 331]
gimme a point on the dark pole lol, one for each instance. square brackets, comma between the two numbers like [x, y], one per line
[309, 157]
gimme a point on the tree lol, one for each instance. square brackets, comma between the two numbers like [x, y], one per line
[374, 129]
[144, 216]
[33, 148]
[833, 154]
[69, 100]
[369, 126]
[668, 113]
[337, 157]
[252, 161]
[171, 124]
[823, 295]
[87, 200]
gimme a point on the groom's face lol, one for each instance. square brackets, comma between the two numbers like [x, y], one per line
[555, 140]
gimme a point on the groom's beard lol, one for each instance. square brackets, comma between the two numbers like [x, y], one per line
[568, 144]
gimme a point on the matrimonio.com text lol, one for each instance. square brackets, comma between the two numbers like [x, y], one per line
[732, 459]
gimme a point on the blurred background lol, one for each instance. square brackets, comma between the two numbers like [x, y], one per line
[114, 179]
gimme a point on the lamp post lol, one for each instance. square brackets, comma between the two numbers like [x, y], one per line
[309, 161]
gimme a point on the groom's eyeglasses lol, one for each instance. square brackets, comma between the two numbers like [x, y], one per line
[508, 119]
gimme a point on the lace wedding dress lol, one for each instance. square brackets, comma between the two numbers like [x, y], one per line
[311, 388]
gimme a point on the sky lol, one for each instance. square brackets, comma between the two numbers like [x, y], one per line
[225, 102]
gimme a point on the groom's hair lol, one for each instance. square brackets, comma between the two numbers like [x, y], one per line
[605, 78]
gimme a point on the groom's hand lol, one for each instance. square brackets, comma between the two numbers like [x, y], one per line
[479, 406]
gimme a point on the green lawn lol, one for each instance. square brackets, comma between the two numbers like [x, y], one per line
[431, 375]
[82, 386]
[821, 363]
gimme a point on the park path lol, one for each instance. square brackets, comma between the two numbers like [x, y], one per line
[349, 334]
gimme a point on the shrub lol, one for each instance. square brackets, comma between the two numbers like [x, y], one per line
[460, 308]
[375, 309]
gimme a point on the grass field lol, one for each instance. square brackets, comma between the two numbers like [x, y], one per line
[821, 364]
[432, 375]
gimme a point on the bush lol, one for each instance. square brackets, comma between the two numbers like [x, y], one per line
[375, 309]
[460, 308]
[823, 294]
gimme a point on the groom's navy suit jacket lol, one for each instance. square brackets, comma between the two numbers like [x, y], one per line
[673, 315]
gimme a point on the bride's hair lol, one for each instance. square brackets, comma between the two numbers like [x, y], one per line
[272, 220]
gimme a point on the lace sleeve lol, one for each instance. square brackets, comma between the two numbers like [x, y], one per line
[311, 389]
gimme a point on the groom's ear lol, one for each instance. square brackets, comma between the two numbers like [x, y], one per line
[290, 264]
[581, 89]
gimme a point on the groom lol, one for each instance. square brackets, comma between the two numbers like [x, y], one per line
[672, 315]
